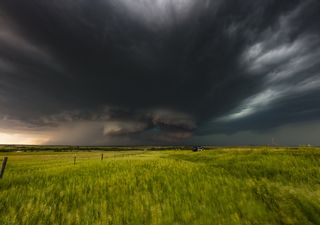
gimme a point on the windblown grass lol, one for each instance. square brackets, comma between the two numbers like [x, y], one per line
[224, 186]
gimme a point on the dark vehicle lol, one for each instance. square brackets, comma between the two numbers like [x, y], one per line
[197, 148]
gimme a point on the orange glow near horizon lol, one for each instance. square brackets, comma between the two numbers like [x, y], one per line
[19, 138]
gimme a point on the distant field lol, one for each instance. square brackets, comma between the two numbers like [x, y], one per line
[221, 186]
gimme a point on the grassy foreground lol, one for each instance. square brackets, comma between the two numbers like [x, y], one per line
[223, 186]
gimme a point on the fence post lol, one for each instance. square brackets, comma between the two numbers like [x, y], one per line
[74, 160]
[101, 156]
[3, 167]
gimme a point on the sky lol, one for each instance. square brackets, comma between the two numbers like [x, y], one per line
[160, 72]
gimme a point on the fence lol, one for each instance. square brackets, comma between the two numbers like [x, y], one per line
[3, 166]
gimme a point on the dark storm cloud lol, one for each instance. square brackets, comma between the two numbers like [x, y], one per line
[149, 71]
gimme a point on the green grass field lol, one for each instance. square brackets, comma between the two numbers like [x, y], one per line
[221, 186]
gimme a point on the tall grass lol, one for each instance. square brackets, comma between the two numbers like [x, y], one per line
[226, 186]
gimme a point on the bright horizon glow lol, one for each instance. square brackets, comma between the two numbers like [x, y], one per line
[19, 138]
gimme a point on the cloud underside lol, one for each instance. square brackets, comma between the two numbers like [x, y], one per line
[157, 71]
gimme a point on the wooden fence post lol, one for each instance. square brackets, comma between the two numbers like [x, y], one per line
[74, 160]
[3, 167]
[101, 156]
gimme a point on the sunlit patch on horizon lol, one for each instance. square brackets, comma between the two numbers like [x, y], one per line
[20, 138]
